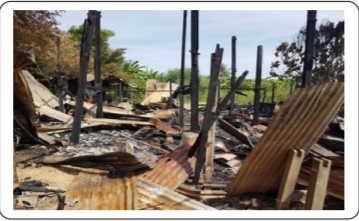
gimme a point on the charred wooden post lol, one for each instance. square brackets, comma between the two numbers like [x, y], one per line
[233, 72]
[211, 141]
[289, 178]
[309, 45]
[98, 81]
[318, 183]
[181, 97]
[257, 89]
[194, 71]
[208, 121]
[84, 61]
[59, 77]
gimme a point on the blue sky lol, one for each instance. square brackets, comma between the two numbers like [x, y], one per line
[154, 37]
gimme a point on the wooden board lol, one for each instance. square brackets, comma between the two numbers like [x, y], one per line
[106, 109]
[41, 95]
[237, 133]
[106, 121]
[225, 156]
[45, 110]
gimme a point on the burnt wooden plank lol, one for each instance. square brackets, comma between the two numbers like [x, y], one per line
[235, 132]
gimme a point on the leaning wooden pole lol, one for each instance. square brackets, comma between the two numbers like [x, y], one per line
[210, 145]
[183, 55]
[309, 45]
[194, 71]
[211, 109]
[257, 89]
[98, 80]
[233, 72]
[84, 61]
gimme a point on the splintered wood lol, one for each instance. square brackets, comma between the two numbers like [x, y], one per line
[298, 125]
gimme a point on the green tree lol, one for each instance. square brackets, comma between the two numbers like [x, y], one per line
[132, 67]
[111, 59]
[328, 56]
[174, 75]
[36, 30]
[225, 76]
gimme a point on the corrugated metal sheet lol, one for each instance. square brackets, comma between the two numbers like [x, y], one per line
[96, 192]
[173, 169]
[156, 197]
[300, 122]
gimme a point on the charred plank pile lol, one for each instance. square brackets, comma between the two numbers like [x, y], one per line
[132, 159]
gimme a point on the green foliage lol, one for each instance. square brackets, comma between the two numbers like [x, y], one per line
[132, 67]
[112, 94]
[34, 31]
[225, 76]
[281, 92]
[111, 59]
[174, 75]
[76, 35]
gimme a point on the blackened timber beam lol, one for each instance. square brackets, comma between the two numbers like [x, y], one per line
[84, 61]
[98, 81]
[194, 71]
[210, 145]
[257, 89]
[222, 106]
[181, 97]
[309, 45]
[210, 110]
[224, 103]
[233, 72]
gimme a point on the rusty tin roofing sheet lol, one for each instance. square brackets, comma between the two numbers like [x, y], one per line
[299, 123]
[173, 169]
[153, 196]
[97, 192]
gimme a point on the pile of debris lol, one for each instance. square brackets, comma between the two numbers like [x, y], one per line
[139, 159]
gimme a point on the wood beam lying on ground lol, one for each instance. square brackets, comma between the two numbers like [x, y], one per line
[234, 132]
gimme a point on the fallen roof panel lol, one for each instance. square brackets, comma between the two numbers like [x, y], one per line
[173, 169]
[40, 94]
[97, 192]
[298, 125]
[153, 196]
